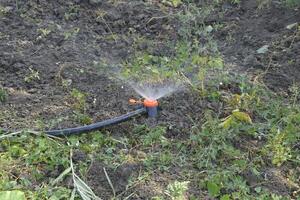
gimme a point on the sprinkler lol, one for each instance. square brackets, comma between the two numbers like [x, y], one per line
[148, 105]
[151, 107]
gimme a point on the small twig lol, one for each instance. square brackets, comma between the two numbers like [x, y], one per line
[61, 176]
[109, 181]
[129, 196]
[73, 194]
[111, 32]
[294, 37]
[81, 187]
[17, 133]
[38, 133]
[186, 79]
[262, 183]
[17, 5]
[161, 17]
[10, 135]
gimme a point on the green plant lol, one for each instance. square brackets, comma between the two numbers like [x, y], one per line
[186, 62]
[235, 117]
[78, 100]
[292, 3]
[3, 10]
[213, 189]
[71, 33]
[79, 103]
[206, 63]
[177, 190]
[174, 3]
[80, 186]
[32, 76]
[12, 195]
[294, 89]
[278, 148]
[3, 95]
[83, 118]
[72, 12]
[263, 3]
[155, 135]
[44, 31]
[157, 198]
[235, 1]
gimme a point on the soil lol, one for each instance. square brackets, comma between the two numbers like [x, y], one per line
[84, 34]
[58, 59]
[249, 28]
[99, 174]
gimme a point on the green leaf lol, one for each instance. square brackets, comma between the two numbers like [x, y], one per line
[213, 189]
[291, 26]
[209, 29]
[12, 195]
[225, 197]
[227, 122]
[257, 189]
[263, 49]
[174, 3]
[242, 116]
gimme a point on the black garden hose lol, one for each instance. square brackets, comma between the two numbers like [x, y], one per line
[92, 127]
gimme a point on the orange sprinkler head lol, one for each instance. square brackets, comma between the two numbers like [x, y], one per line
[151, 106]
[148, 103]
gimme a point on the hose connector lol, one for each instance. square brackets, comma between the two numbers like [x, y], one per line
[151, 106]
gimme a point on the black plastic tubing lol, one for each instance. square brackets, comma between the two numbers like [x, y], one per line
[95, 126]
[90, 127]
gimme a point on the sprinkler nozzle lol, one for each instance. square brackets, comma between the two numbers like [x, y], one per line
[151, 106]
[135, 102]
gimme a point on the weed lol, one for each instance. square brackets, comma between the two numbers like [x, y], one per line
[72, 12]
[174, 3]
[155, 135]
[263, 3]
[79, 100]
[44, 31]
[294, 89]
[3, 95]
[278, 149]
[235, 117]
[81, 187]
[100, 14]
[3, 11]
[83, 118]
[32, 76]
[80, 105]
[16, 194]
[292, 3]
[185, 62]
[71, 33]
[205, 64]
[177, 190]
[235, 1]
